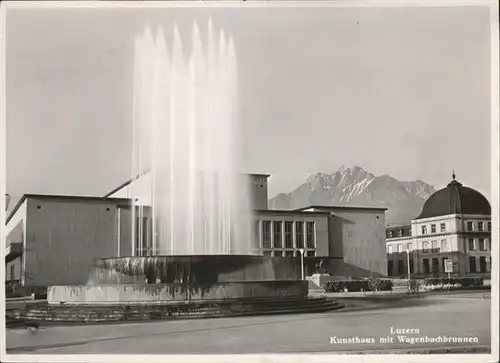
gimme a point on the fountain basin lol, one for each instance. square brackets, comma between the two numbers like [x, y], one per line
[175, 292]
[174, 279]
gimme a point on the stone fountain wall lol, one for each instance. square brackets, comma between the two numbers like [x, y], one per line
[174, 292]
[164, 279]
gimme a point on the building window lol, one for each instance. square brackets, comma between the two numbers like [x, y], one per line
[443, 227]
[299, 234]
[143, 236]
[411, 266]
[12, 272]
[310, 234]
[288, 234]
[424, 229]
[389, 249]
[277, 235]
[400, 248]
[267, 253]
[470, 226]
[409, 247]
[289, 253]
[390, 267]
[138, 234]
[488, 244]
[435, 266]
[266, 234]
[401, 267]
[426, 265]
[482, 264]
[482, 245]
[434, 246]
[257, 229]
[147, 235]
[444, 245]
[433, 228]
[409, 232]
[425, 247]
[489, 226]
[472, 264]
[480, 226]
[472, 247]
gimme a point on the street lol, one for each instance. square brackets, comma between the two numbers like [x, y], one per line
[353, 329]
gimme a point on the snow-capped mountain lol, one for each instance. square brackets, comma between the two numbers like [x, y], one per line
[357, 187]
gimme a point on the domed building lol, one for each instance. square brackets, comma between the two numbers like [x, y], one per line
[452, 234]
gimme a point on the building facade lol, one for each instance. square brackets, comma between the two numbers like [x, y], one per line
[454, 225]
[52, 240]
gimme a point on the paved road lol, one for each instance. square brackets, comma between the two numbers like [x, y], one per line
[456, 315]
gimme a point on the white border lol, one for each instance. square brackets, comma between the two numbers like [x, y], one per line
[495, 181]
[3, 181]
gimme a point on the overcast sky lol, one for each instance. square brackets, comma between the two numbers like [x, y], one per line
[404, 92]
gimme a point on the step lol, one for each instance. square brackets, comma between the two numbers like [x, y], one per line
[216, 311]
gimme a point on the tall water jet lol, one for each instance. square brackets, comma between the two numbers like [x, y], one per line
[197, 219]
[185, 132]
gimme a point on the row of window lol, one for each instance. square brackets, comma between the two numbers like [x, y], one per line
[442, 228]
[482, 245]
[471, 227]
[477, 227]
[425, 247]
[274, 234]
[287, 234]
[398, 233]
[432, 266]
[288, 253]
[482, 264]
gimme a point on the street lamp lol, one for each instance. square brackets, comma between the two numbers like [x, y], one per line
[302, 262]
[408, 262]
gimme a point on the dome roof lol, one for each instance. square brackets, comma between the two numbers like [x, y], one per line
[455, 199]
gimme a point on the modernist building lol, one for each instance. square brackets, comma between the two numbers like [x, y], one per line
[455, 224]
[52, 239]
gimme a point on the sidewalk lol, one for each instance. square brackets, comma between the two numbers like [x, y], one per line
[395, 293]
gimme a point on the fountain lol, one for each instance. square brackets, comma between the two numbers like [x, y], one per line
[198, 247]
[185, 130]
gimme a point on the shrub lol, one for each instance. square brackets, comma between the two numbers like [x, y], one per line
[350, 285]
[386, 285]
[380, 285]
[464, 282]
[358, 285]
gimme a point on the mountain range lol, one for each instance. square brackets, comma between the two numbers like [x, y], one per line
[358, 187]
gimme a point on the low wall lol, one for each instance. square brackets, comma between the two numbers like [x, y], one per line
[173, 292]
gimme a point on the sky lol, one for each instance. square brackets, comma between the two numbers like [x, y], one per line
[399, 91]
